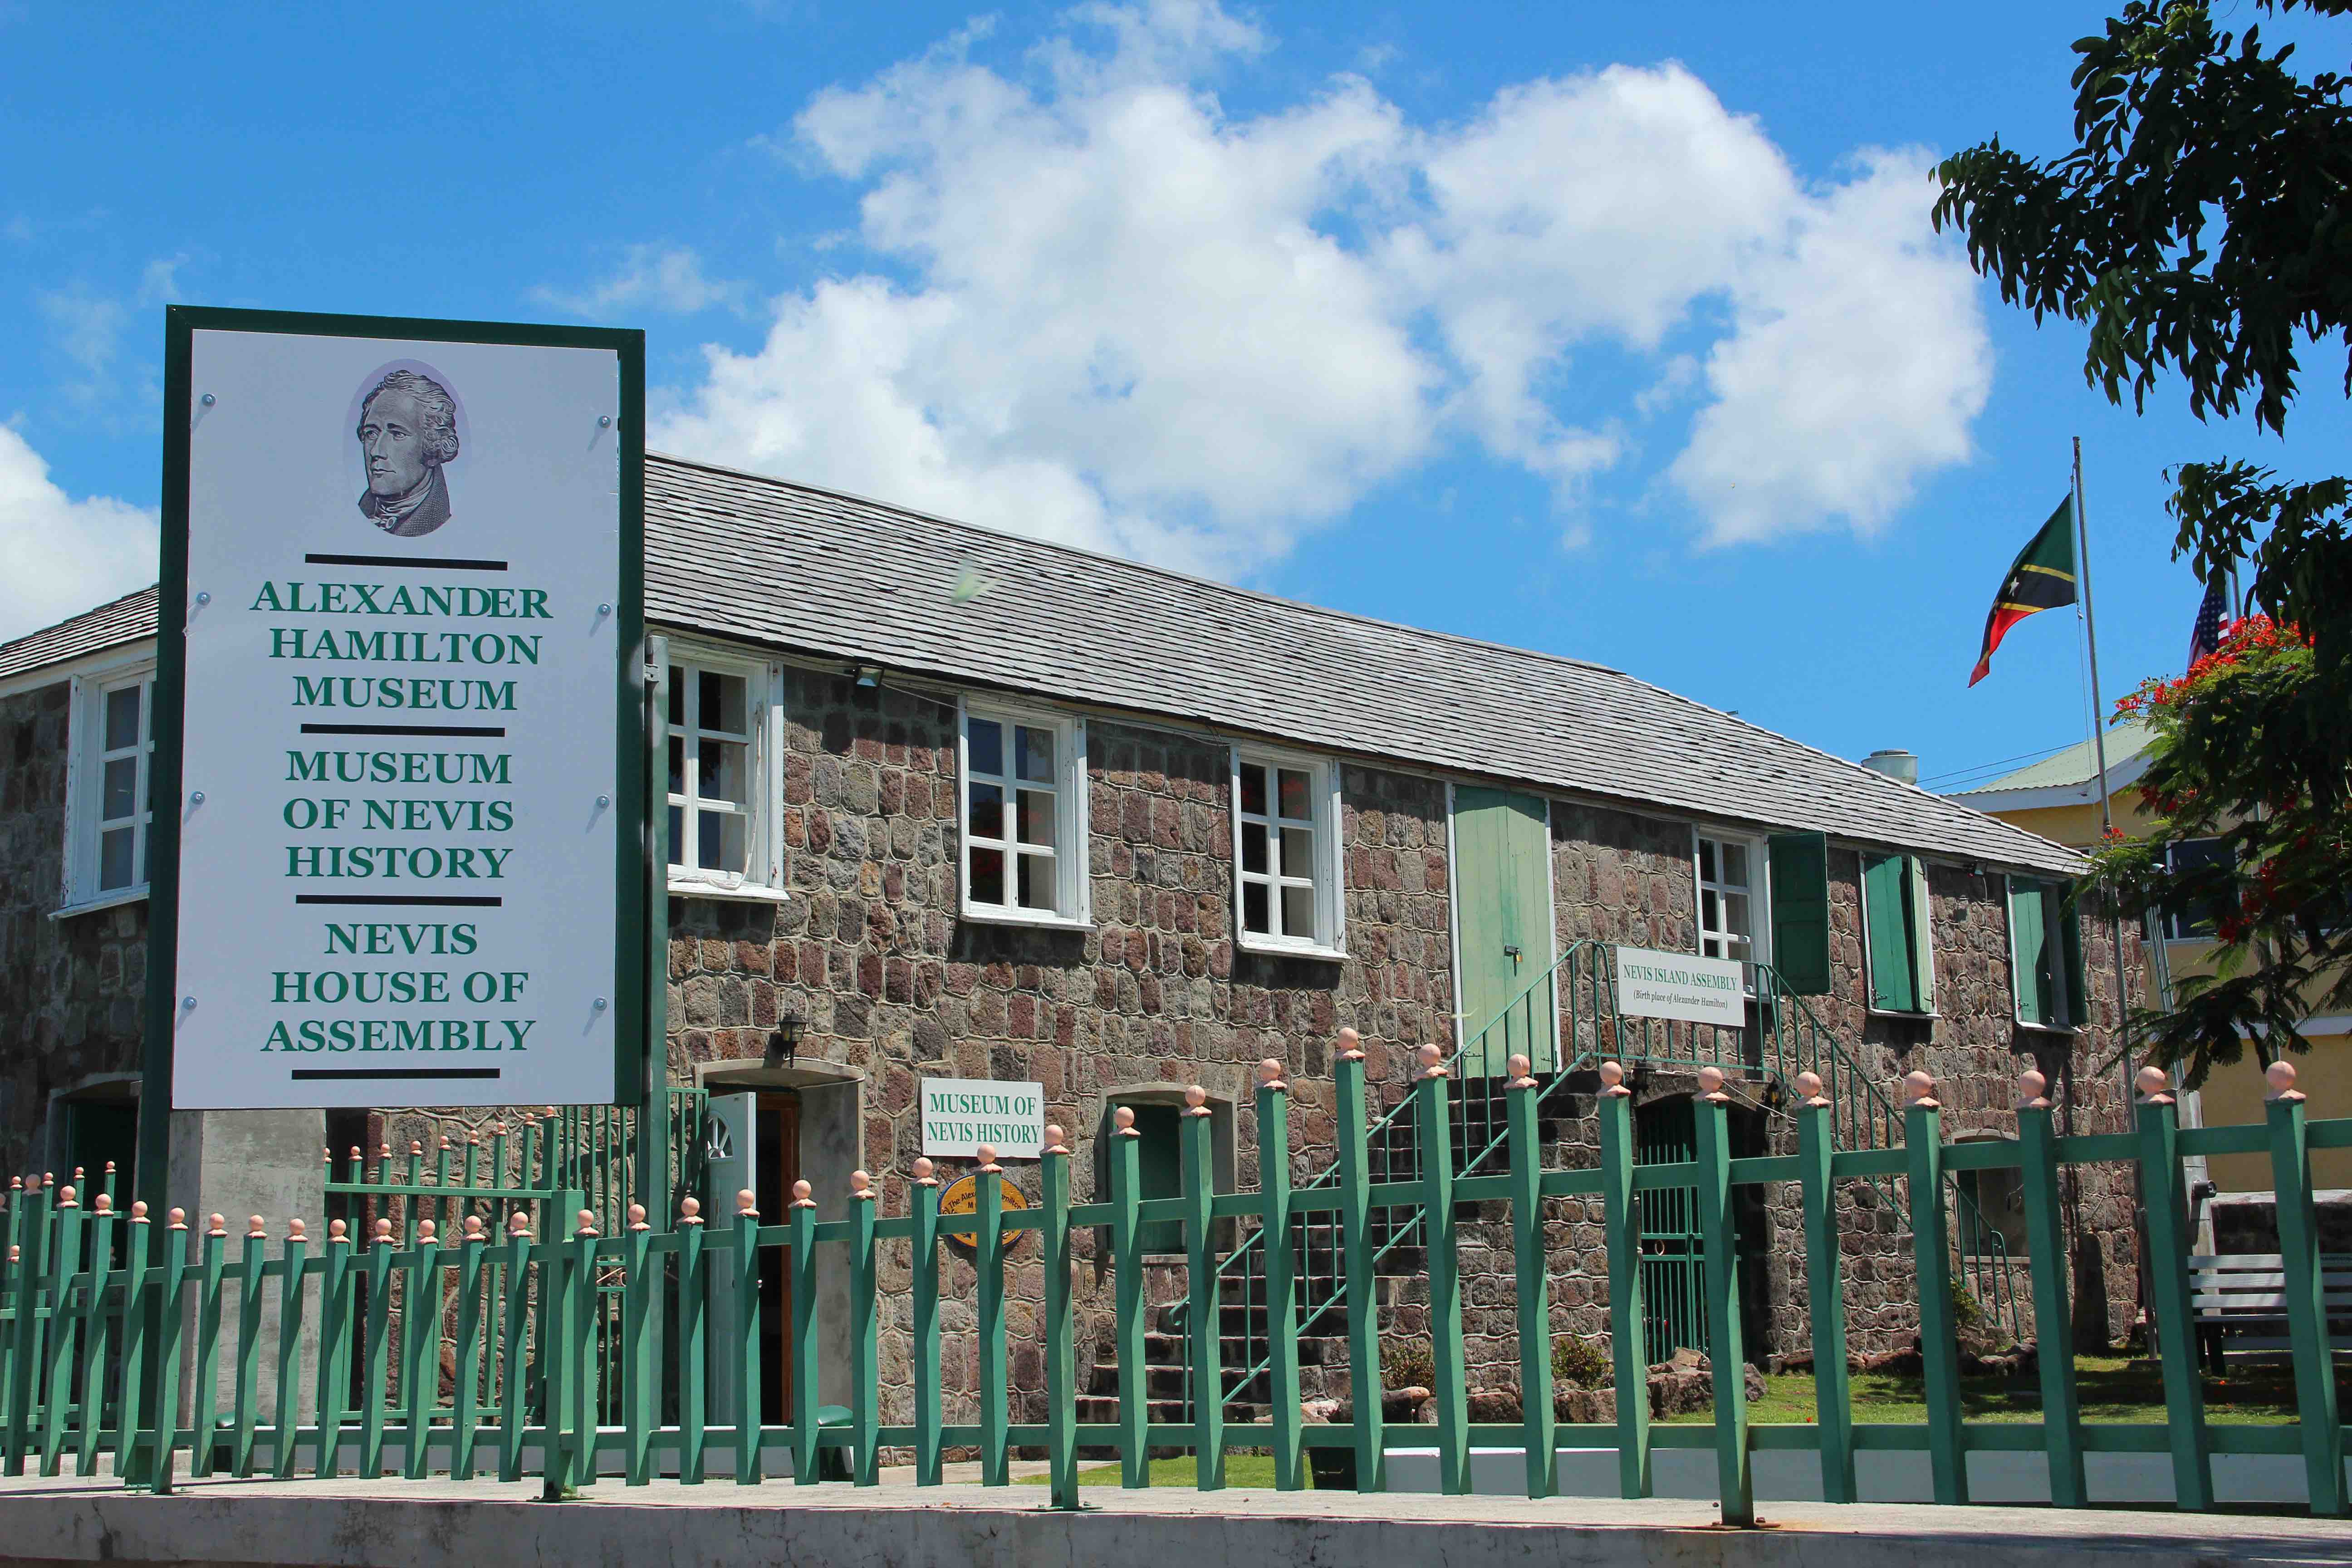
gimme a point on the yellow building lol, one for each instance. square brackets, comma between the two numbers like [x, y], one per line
[2058, 797]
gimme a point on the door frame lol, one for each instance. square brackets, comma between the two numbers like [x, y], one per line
[1454, 910]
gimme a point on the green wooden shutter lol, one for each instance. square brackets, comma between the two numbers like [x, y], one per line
[2069, 922]
[1923, 937]
[1800, 864]
[2029, 950]
[1886, 917]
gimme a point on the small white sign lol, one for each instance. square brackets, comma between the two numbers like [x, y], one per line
[1652, 984]
[959, 1114]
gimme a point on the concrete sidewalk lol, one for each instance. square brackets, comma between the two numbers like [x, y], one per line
[444, 1524]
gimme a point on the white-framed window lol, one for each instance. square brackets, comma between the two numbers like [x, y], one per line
[1023, 809]
[108, 812]
[2045, 956]
[1286, 893]
[1731, 897]
[725, 753]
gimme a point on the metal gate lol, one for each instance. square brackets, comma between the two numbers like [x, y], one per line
[1673, 1268]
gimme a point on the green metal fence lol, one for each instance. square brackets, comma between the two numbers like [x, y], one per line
[92, 1350]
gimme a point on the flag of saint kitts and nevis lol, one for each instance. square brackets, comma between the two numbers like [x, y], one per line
[2041, 578]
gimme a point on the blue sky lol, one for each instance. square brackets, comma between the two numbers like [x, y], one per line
[1615, 331]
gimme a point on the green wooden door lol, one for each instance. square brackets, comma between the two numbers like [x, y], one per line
[1502, 892]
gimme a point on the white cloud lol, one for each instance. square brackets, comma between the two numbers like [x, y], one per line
[1104, 309]
[86, 326]
[668, 279]
[64, 555]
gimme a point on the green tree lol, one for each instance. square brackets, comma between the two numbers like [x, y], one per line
[2199, 231]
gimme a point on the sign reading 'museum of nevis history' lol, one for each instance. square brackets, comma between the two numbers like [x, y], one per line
[959, 1114]
[1651, 984]
[405, 560]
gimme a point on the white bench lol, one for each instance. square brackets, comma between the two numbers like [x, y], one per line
[2240, 1300]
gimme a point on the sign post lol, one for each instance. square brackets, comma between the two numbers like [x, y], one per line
[402, 821]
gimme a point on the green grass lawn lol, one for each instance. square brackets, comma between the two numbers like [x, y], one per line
[2111, 1388]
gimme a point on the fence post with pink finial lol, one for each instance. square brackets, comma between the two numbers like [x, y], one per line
[1451, 1401]
[745, 1282]
[31, 1209]
[250, 1273]
[1204, 1366]
[2170, 1319]
[925, 1315]
[420, 1358]
[1620, 1223]
[1825, 1285]
[2306, 1302]
[1275, 1217]
[1931, 1266]
[693, 1313]
[1538, 1425]
[2045, 1251]
[64, 1261]
[1061, 1353]
[137, 1320]
[864, 1333]
[800, 1225]
[641, 1302]
[1126, 1278]
[465, 1397]
[1727, 1343]
[95, 1336]
[571, 1391]
[292, 1296]
[334, 1369]
[988, 1263]
[376, 1353]
[1356, 1244]
[204, 1453]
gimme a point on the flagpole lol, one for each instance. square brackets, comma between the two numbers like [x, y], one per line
[2091, 636]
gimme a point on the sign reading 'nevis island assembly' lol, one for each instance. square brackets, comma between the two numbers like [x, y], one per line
[409, 755]
[1652, 984]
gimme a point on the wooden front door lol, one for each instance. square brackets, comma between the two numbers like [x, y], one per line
[778, 1165]
[1501, 902]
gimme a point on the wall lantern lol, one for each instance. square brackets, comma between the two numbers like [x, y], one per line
[785, 1042]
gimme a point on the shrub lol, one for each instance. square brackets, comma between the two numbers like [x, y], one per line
[1579, 1361]
[1407, 1363]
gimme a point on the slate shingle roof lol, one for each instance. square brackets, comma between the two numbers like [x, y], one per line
[126, 620]
[745, 556]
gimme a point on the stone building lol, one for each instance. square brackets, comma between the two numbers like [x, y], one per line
[947, 803]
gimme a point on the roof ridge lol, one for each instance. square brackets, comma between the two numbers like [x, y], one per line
[1192, 578]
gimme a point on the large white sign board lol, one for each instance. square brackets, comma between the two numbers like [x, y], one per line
[959, 1114]
[1652, 984]
[404, 768]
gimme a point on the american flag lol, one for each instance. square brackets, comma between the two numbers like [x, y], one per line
[2206, 636]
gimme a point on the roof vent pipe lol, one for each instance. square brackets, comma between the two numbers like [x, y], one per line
[1901, 766]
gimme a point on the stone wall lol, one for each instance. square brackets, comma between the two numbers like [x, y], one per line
[70, 989]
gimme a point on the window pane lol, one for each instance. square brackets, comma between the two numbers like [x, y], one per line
[721, 700]
[1254, 906]
[987, 876]
[119, 796]
[1734, 865]
[1298, 911]
[1297, 802]
[723, 772]
[1036, 817]
[679, 848]
[114, 856]
[734, 843]
[1297, 852]
[122, 718]
[706, 849]
[987, 811]
[1033, 753]
[1735, 914]
[1036, 879]
[677, 765]
[1706, 861]
[1253, 789]
[1710, 916]
[987, 746]
[679, 675]
[1710, 948]
[1253, 846]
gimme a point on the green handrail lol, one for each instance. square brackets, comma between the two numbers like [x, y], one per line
[1790, 1041]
